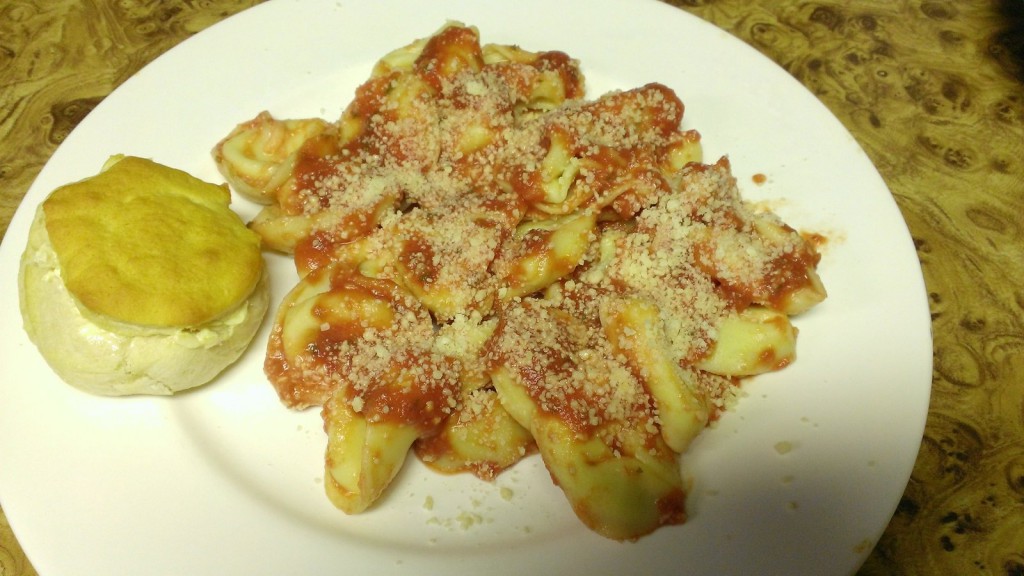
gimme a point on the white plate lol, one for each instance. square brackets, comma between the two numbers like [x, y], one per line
[224, 480]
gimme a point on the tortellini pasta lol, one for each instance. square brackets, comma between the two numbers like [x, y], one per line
[491, 266]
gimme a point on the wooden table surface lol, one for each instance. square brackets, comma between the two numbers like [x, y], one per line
[932, 89]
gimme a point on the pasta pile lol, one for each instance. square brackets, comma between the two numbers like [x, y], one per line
[492, 266]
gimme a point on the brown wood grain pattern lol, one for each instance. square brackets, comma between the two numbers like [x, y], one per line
[932, 89]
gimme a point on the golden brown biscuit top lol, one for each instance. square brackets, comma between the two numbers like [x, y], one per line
[146, 244]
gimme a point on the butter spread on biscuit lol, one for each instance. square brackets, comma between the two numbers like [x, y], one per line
[147, 244]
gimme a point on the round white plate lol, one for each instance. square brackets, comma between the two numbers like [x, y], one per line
[802, 477]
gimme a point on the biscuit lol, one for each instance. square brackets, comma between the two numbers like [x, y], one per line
[141, 280]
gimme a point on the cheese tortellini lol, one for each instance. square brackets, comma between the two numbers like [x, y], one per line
[490, 266]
